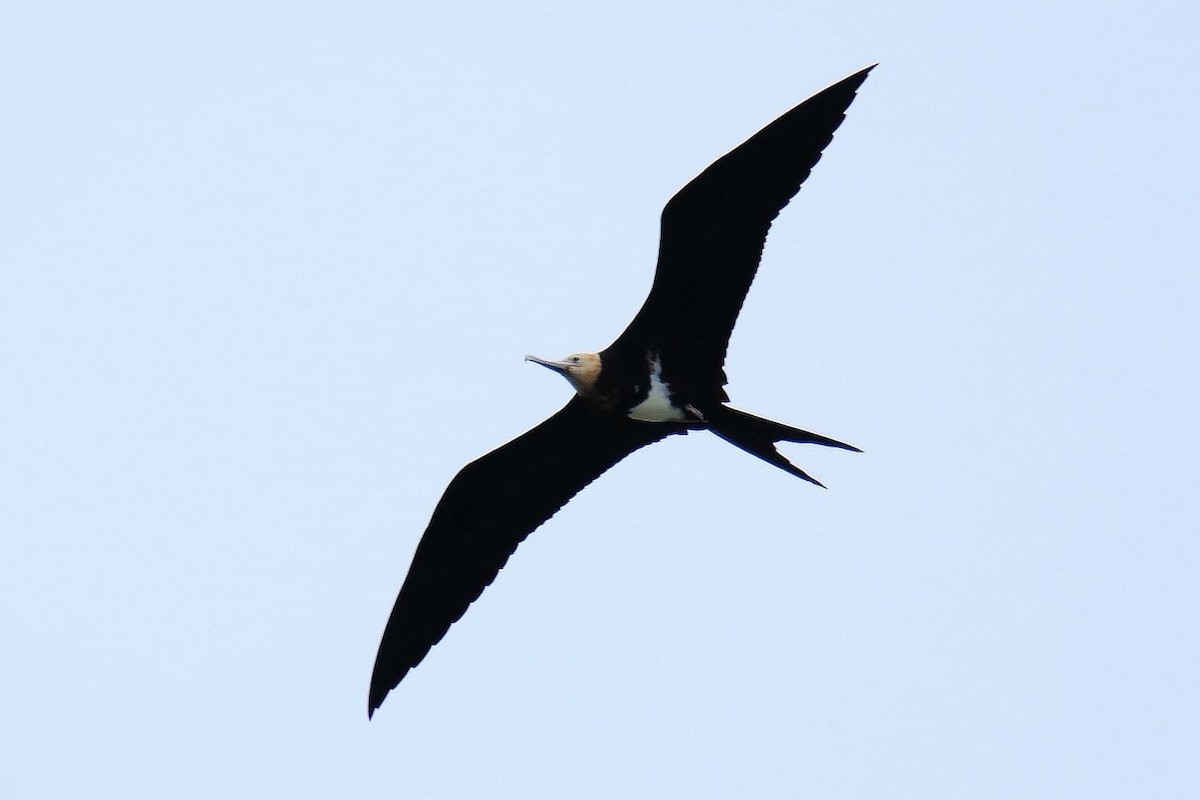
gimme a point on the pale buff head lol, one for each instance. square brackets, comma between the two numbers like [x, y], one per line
[581, 369]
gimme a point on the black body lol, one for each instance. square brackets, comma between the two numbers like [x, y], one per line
[712, 237]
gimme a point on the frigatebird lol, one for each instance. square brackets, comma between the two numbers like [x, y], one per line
[663, 375]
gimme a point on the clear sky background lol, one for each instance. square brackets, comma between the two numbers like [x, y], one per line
[268, 272]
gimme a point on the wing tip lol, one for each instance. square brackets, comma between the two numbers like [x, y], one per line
[375, 699]
[854, 80]
[377, 694]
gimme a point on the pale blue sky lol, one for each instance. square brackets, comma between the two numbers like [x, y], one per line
[267, 273]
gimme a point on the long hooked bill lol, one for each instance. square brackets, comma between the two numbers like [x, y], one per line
[557, 366]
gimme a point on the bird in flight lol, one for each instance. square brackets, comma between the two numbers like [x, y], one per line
[663, 375]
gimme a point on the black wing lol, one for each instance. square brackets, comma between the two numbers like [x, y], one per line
[487, 510]
[713, 232]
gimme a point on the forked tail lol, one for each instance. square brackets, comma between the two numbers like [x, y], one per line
[758, 436]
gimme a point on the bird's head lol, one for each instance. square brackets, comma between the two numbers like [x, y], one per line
[581, 369]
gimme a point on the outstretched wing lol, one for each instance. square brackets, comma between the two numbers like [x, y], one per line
[487, 510]
[713, 232]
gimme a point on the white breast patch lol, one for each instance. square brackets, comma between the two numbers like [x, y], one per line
[657, 406]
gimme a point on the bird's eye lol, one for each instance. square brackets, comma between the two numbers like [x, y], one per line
[575, 359]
